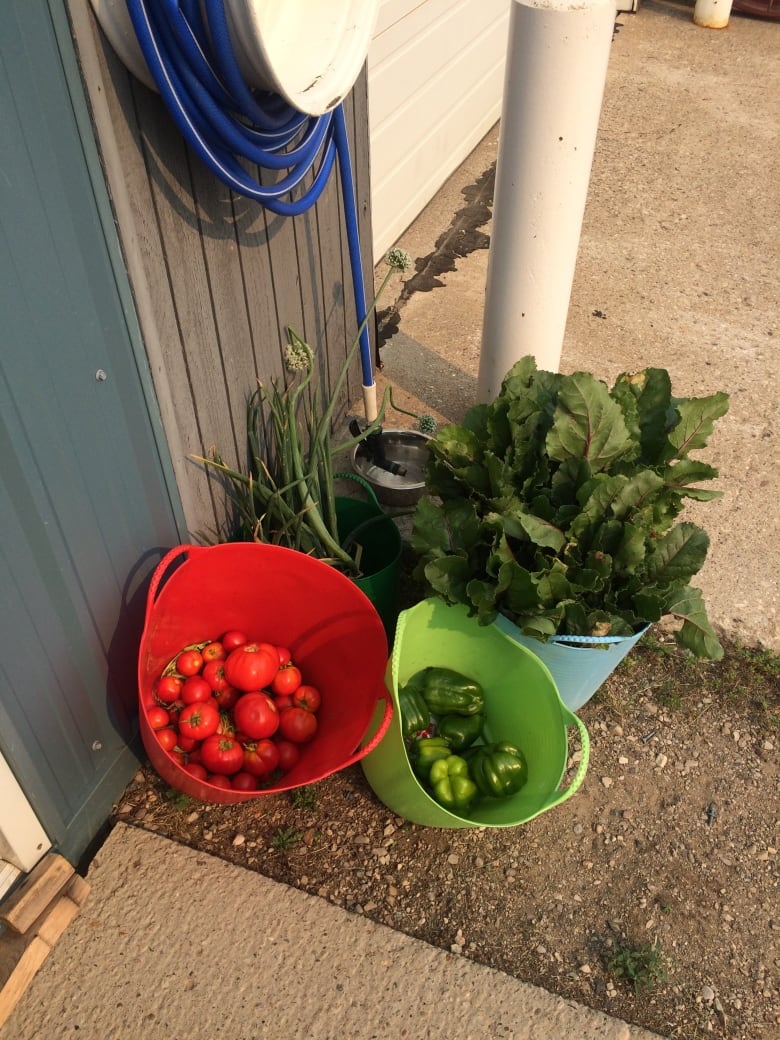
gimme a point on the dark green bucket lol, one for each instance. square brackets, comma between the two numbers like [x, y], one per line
[365, 525]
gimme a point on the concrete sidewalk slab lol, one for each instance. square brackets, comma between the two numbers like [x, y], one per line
[173, 943]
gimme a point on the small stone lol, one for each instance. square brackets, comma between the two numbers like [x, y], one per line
[623, 761]
[585, 969]
[607, 781]
[193, 817]
[768, 746]
[707, 994]
[736, 735]
[661, 760]
[453, 859]
[577, 828]
[362, 839]
[617, 731]
[239, 839]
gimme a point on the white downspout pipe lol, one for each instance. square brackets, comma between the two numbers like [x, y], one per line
[712, 14]
[556, 69]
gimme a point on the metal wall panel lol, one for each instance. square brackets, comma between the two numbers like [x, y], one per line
[85, 506]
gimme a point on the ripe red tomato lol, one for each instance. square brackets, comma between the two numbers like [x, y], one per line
[196, 769]
[219, 780]
[168, 688]
[158, 717]
[307, 697]
[222, 754]
[226, 699]
[289, 754]
[243, 781]
[261, 757]
[255, 714]
[297, 724]
[213, 652]
[283, 702]
[167, 738]
[189, 662]
[232, 639]
[214, 675]
[251, 667]
[284, 655]
[195, 689]
[199, 720]
[186, 744]
[287, 680]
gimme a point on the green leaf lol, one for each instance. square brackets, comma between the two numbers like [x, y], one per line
[631, 551]
[520, 593]
[542, 532]
[588, 423]
[680, 475]
[447, 528]
[649, 605]
[449, 576]
[678, 555]
[519, 378]
[652, 391]
[539, 626]
[696, 633]
[633, 495]
[554, 586]
[696, 420]
[597, 498]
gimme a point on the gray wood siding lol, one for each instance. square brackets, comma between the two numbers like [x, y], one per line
[216, 278]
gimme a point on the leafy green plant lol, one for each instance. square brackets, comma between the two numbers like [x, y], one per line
[305, 798]
[284, 839]
[287, 496]
[555, 505]
[177, 799]
[642, 966]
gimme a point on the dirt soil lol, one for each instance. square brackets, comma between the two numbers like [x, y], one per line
[652, 894]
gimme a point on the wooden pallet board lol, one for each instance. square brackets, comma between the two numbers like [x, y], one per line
[44, 882]
[23, 953]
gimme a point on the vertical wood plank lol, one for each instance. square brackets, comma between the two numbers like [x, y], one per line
[217, 278]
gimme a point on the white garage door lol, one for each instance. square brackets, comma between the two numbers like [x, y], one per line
[435, 80]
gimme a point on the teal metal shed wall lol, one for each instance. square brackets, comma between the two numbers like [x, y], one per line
[88, 501]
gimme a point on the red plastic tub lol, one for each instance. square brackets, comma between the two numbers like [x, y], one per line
[283, 597]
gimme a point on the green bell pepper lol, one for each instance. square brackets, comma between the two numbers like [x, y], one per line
[498, 769]
[415, 715]
[447, 692]
[460, 730]
[451, 784]
[424, 752]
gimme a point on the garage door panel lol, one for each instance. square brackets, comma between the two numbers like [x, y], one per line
[435, 74]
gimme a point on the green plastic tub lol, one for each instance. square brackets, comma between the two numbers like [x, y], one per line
[365, 524]
[522, 706]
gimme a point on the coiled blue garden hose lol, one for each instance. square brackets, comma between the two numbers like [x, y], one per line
[189, 54]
